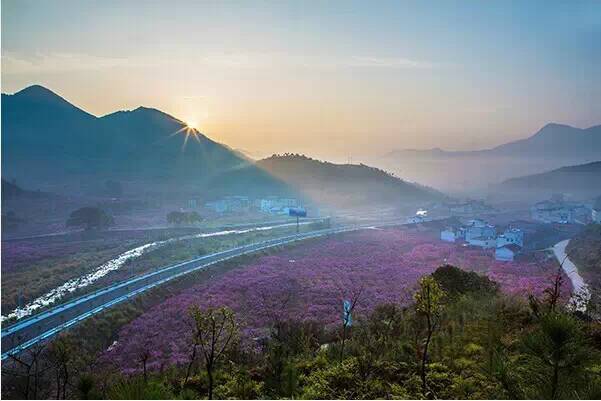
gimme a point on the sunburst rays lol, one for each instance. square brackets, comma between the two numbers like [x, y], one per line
[187, 132]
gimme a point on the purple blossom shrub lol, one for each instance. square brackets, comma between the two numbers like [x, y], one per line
[309, 282]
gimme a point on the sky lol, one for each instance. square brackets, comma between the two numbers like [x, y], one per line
[331, 79]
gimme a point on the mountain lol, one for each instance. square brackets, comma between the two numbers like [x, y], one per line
[323, 182]
[582, 181]
[553, 146]
[48, 142]
[550, 141]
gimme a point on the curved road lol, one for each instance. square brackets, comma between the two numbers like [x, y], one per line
[44, 325]
[581, 293]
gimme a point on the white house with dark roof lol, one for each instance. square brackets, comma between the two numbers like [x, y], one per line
[507, 253]
[482, 242]
[511, 236]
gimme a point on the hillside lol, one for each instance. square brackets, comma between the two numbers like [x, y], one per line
[48, 142]
[584, 250]
[582, 180]
[324, 182]
[553, 146]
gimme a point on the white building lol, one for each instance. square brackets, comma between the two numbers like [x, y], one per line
[553, 211]
[483, 242]
[479, 228]
[276, 205]
[507, 253]
[511, 236]
[230, 204]
[448, 235]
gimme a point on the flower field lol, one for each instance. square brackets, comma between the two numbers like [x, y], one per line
[310, 282]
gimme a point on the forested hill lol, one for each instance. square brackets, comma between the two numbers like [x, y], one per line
[325, 182]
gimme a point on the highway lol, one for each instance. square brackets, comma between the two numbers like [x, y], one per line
[28, 332]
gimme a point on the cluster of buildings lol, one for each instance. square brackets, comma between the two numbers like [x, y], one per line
[481, 234]
[238, 204]
[230, 204]
[277, 205]
[559, 211]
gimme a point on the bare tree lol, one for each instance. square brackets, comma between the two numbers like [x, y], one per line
[428, 304]
[60, 356]
[26, 367]
[215, 330]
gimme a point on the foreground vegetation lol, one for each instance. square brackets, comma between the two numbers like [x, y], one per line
[460, 338]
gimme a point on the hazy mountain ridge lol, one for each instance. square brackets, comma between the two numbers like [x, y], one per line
[553, 146]
[552, 139]
[325, 182]
[583, 179]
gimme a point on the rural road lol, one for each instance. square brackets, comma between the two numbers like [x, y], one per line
[581, 292]
[28, 332]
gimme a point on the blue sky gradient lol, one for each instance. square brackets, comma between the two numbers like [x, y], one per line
[325, 78]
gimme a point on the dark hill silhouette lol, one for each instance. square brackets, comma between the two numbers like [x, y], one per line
[46, 142]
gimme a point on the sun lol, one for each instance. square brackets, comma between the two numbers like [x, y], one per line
[192, 123]
[188, 129]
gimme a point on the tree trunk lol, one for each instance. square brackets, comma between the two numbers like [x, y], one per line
[343, 341]
[189, 370]
[424, 363]
[210, 374]
[65, 382]
[555, 380]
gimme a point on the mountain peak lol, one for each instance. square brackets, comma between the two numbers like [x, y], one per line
[156, 113]
[39, 92]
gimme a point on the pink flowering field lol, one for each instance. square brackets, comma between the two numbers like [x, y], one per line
[310, 282]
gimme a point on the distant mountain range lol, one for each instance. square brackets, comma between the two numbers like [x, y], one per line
[553, 140]
[582, 181]
[49, 143]
[553, 146]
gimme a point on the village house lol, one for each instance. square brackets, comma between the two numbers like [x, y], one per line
[511, 236]
[559, 211]
[277, 205]
[479, 229]
[229, 204]
[507, 253]
[449, 235]
[483, 242]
